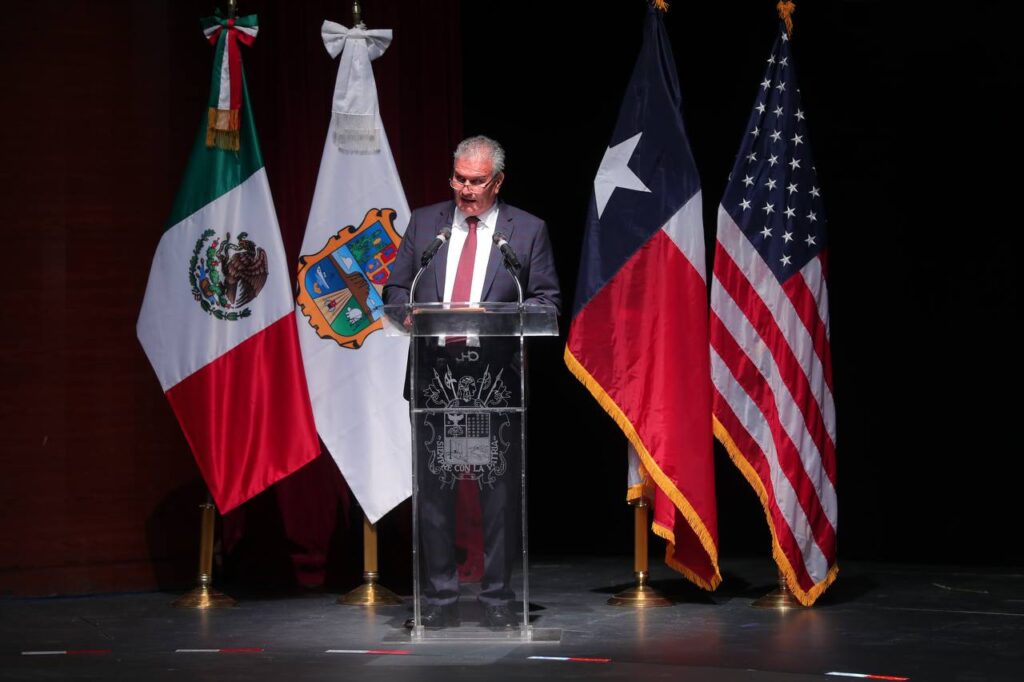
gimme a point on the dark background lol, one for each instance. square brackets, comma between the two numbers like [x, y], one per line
[910, 117]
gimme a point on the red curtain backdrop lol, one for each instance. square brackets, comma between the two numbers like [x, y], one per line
[102, 100]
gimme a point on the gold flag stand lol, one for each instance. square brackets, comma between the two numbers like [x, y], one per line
[370, 593]
[204, 596]
[780, 599]
[641, 595]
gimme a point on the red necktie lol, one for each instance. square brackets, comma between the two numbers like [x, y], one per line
[464, 273]
[468, 533]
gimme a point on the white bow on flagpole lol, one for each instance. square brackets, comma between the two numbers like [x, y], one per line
[354, 104]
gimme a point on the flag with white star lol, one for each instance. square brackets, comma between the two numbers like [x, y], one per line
[770, 358]
[639, 334]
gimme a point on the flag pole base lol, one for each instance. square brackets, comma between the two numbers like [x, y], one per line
[640, 596]
[780, 599]
[204, 597]
[370, 594]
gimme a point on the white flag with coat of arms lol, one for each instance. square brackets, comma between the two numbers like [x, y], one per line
[355, 373]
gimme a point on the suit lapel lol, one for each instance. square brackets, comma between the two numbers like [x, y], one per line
[506, 226]
[444, 219]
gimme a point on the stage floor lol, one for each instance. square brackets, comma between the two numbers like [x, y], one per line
[897, 621]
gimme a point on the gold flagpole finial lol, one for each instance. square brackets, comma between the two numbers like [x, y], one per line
[660, 4]
[786, 8]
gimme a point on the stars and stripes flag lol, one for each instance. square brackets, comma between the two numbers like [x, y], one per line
[770, 357]
[639, 334]
[217, 322]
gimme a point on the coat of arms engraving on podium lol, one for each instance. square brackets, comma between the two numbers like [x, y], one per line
[472, 442]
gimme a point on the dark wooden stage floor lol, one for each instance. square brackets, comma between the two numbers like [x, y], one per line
[896, 621]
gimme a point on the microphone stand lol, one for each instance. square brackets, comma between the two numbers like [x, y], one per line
[522, 464]
[519, 293]
[415, 281]
[428, 255]
[519, 287]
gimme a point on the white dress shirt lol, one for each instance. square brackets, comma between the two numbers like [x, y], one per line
[484, 237]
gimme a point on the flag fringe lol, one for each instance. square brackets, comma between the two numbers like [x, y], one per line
[646, 489]
[660, 5]
[223, 128]
[669, 537]
[664, 482]
[635, 492]
[805, 597]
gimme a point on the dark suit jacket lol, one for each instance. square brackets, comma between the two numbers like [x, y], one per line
[527, 235]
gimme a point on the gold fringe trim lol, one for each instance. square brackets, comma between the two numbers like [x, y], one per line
[222, 128]
[635, 492]
[644, 489]
[808, 597]
[786, 9]
[660, 5]
[663, 481]
[223, 119]
[668, 536]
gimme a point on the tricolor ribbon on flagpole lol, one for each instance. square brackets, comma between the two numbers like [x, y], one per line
[354, 116]
[226, 83]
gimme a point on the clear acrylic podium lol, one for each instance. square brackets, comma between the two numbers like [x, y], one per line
[467, 404]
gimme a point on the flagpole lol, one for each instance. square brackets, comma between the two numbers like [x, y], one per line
[780, 599]
[370, 593]
[641, 595]
[204, 596]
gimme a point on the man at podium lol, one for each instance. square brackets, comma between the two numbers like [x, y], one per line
[460, 239]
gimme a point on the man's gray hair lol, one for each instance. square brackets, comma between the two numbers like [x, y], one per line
[481, 145]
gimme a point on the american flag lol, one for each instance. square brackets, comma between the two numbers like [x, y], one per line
[770, 357]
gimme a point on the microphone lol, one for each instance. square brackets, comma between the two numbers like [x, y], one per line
[506, 251]
[428, 253]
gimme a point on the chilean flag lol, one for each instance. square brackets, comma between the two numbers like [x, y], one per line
[639, 335]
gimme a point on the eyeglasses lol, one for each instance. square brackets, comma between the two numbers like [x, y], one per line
[472, 184]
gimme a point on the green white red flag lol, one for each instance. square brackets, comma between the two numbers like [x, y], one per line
[217, 322]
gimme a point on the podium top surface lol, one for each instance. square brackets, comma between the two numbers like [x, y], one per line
[470, 319]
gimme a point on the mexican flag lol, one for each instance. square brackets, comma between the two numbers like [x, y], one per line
[217, 322]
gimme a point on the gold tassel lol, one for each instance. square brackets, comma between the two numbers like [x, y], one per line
[660, 4]
[222, 128]
[786, 8]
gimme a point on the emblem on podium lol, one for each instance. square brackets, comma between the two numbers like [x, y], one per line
[472, 442]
